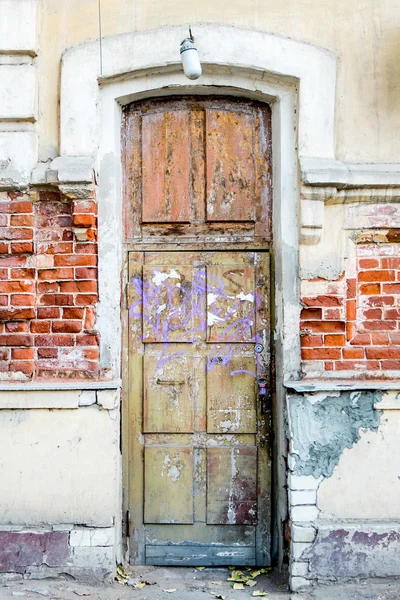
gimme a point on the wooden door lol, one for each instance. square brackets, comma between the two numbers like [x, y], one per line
[197, 191]
[199, 349]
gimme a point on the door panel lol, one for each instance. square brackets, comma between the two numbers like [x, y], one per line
[199, 437]
[197, 166]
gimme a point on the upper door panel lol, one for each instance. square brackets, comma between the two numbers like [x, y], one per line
[198, 166]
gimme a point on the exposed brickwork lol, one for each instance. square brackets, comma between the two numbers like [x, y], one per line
[353, 324]
[48, 286]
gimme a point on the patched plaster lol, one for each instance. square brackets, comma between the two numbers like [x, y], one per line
[321, 427]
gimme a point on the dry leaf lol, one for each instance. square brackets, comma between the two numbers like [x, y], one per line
[238, 586]
[139, 585]
[237, 576]
[200, 568]
[255, 573]
[170, 590]
[251, 583]
[258, 593]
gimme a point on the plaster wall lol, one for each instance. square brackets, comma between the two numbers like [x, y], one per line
[47, 460]
[365, 484]
[362, 34]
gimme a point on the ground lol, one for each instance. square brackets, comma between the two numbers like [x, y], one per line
[192, 584]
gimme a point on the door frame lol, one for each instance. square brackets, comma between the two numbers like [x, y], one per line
[295, 78]
[285, 307]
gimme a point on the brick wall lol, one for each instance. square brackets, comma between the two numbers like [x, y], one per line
[353, 324]
[48, 286]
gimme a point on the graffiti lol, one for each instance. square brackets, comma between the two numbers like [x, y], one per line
[175, 310]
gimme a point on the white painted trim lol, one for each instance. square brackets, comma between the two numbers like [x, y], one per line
[59, 386]
[322, 172]
[340, 385]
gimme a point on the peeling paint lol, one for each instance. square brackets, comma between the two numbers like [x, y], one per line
[322, 430]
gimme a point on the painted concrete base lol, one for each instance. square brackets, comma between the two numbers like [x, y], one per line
[84, 553]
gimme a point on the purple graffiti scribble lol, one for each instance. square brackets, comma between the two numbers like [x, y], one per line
[167, 307]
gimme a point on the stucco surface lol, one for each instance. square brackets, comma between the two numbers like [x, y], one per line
[58, 466]
[363, 35]
[366, 481]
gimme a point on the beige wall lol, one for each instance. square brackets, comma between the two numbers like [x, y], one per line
[362, 33]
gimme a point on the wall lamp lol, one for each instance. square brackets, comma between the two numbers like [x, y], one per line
[190, 58]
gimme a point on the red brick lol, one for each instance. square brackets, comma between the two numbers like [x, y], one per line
[324, 326]
[16, 207]
[23, 353]
[47, 352]
[351, 288]
[320, 353]
[21, 247]
[361, 339]
[9, 287]
[380, 352]
[370, 289]
[310, 341]
[323, 301]
[22, 367]
[84, 220]
[394, 338]
[90, 319]
[391, 288]
[85, 273]
[67, 326]
[40, 326]
[4, 354]
[22, 221]
[13, 233]
[309, 313]
[80, 260]
[3, 300]
[3, 248]
[12, 261]
[22, 273]
[374, 276]
[48, 197]
[54, 340]
[87, 340]
[78, 286]
[329, 366]
[17, 326]
[48, 286]
[86, 248]
[50, 274]
[84, 206]
[379, 325]
[369, 263]
[16, 339]
[351, 365]
[351, 330]
[91, 353]
[16, 314]
[390, 365]
[22, 299]
[73, 313]
[56, 248]
[372, 313]
[85, 299]
[57, 299]
[48, 313]
[380, 301]
[334, 340]
[390, 263]
[380, 338]
[353, 353]
[392, 313]
[351, 310]
[332, 314]
[3, 220]
[90, 235]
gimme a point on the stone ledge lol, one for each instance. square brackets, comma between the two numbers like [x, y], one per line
[338, 385]
[331, 172]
